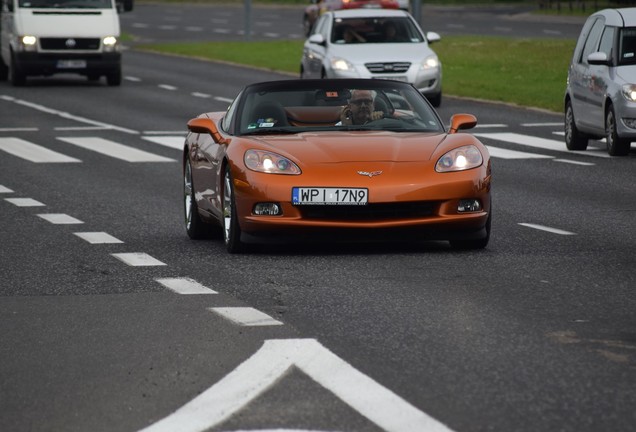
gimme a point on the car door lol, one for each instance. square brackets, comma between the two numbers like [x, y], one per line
[587, 90]
[314, 50]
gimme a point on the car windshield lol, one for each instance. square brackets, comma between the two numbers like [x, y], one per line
[375, 30]
[61, 4]
[296, 106]
[627, 46]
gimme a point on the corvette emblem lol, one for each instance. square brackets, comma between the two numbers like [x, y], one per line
[370, 174]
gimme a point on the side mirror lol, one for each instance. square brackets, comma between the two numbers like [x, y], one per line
[433, 37]
[202, 125]
[598, 58]
[317, 39]
[462, 122]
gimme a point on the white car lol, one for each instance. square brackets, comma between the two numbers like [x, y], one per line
[373, 43]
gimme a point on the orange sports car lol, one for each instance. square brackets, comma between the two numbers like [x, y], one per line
[349, 158]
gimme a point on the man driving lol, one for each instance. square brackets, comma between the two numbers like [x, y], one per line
[360, 109]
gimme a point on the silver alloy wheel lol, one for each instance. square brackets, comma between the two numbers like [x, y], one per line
[227, 206]
[187, 195]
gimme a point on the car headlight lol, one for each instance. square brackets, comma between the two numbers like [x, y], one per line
[629, 92]
[268, 162]
[430, 62]
[28, 43]
[460, 159]
[341, 65]
[110, 44]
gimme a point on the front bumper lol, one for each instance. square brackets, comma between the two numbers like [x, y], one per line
[35, 63]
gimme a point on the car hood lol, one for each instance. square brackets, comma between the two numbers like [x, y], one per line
[627, 73]
[339, 147]
[384, 52]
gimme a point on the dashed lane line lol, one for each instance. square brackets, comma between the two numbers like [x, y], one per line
[245, 316]
[138, 259]
[185, 286]
[546, 228]
[25, 202]
[98, 237]
[60, 219]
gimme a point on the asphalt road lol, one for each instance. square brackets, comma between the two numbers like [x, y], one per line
[537, 332]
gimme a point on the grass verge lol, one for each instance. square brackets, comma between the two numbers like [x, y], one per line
[526, 72]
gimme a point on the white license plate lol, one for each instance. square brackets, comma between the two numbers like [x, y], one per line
[71, 64]
[329, 196]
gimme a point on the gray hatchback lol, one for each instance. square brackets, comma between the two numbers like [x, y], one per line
[600, 99]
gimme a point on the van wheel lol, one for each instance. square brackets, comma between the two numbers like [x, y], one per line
[114, 78]
[16, 76]
[616, 146]
[574, 140]
[4, 71]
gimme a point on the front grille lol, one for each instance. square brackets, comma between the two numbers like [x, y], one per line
[395, 67]
[69, 44]
[369, 212]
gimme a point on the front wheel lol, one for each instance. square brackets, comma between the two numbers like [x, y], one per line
[16, 76]
[574, 140]
[114, 78]
[231, 228]
[616, 146]
[474, 243]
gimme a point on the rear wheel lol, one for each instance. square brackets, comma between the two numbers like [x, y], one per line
[574, 140]
[231, 228]
[616, 146]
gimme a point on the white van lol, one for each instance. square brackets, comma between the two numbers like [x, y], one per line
[46, 37]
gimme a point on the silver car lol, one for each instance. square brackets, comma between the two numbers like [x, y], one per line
[600, 99]
[373, 43]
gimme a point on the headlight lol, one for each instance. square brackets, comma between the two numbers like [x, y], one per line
[28, 43]
[268, 162]
[430, 62]
[341, 65]
[460, 159]
[629, 92]
[110, 44]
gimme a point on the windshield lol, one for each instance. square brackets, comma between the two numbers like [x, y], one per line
[64, 4]
[627, 46]
[375, 30]
[334, 105]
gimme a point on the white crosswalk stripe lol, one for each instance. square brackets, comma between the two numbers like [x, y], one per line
[33, 152]
[113, 149]
[540, 143]
[175, 142]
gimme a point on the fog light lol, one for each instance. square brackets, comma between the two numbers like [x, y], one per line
[267, 209]
[469, 205]
[630, 122]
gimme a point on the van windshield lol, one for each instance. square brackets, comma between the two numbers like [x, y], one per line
[64, 4]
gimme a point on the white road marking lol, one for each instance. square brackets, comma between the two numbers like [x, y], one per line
[272, 362]
[98, 237]
[24, 129]
[552, 32]
[33, 152]
[245, 316]
[25, 202]
[140, 25]
[493, 125]
[138, 259]
[548, 229]
[4, 189]
[65, 115]
[179, 132]
[175, 142]
[167, 87]
[80, 128]
[113, 149]
[542, 124]
[194, 29]
[222, 99]
[535, 142]
[222, 31]
[185, 286]
[271, 35]
[132, 78]
[60, 219]
[513, 154]
[574, 162]
[200, 95]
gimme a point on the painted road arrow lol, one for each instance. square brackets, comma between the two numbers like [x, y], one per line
[270, 363]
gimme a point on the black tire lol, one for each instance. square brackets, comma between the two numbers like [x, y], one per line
[616, 146]
[231, 228]
[4, 71]
[114, 78]
[16, 76]
[473, 244]
[574, 140]
[196, 228]
[435, 100]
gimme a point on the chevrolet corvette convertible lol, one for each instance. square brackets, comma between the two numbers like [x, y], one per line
[335, 159]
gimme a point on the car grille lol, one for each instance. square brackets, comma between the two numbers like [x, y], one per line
[69, 44]
[369, 212]
[395, 67]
